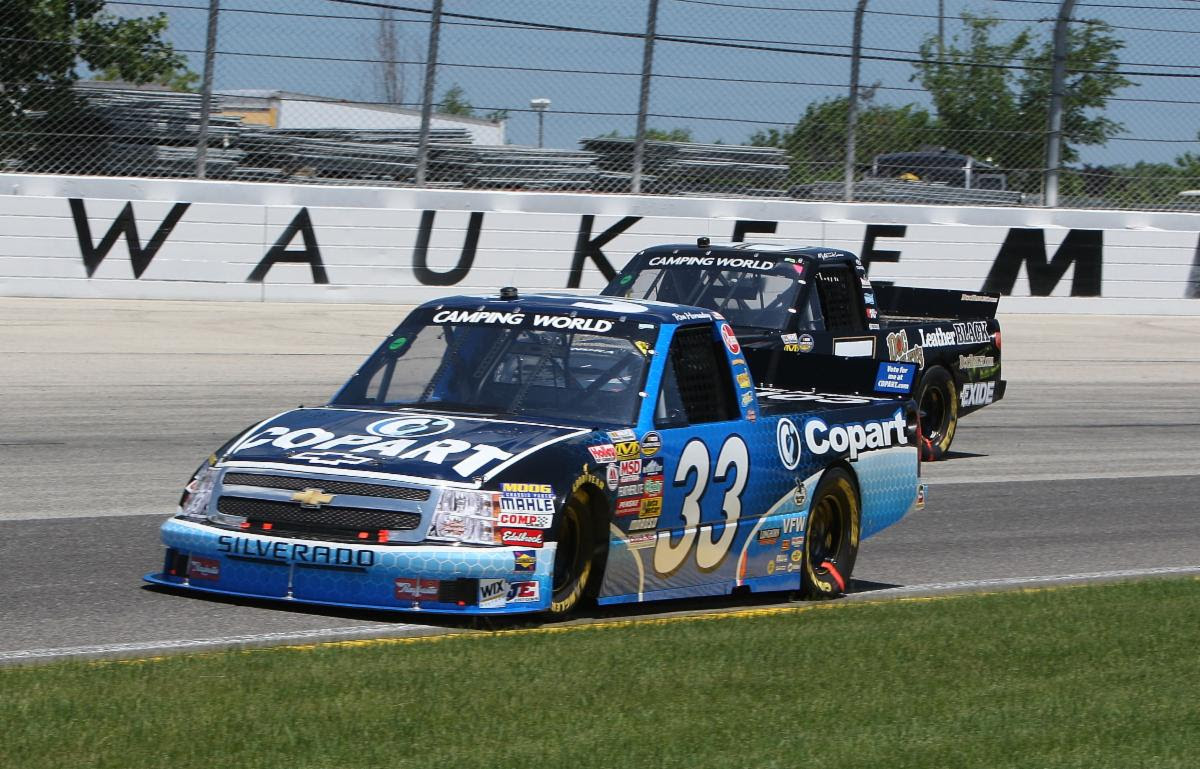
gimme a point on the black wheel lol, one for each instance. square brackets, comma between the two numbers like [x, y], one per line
[579, 558]
[831, 537]
[937, 403]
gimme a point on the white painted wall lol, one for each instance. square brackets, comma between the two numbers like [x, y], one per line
[367, 237]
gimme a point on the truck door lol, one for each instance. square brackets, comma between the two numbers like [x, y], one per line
[701, 454]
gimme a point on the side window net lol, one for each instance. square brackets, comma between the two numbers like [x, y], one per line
[697, 387]
[839, 299]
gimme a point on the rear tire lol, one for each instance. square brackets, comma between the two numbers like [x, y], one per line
[937, 403]
[831, 537]
[579, 559]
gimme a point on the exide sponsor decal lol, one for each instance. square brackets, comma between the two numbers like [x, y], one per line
[522, 537]
[469, 459]
[853, 437]
[526, 520]
[978, 393]
[296, 552]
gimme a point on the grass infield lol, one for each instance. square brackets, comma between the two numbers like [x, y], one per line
[1088, 677]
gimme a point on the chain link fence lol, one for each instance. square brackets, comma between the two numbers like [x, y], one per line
[933, 101]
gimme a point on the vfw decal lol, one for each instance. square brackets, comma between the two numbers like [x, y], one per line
[978, 393]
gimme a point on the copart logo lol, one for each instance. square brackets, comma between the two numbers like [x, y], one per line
[854, 437]
[410, 427]
[787, 437]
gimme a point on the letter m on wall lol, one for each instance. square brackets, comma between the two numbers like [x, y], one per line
[139, 256]
[1083, 248]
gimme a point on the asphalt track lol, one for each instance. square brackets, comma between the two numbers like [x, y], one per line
[1087, 470]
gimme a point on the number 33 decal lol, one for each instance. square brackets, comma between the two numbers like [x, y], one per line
[710, 551]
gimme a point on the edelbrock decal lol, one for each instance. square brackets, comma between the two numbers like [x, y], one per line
[822, 438]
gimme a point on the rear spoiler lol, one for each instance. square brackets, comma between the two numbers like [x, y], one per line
[910, 302]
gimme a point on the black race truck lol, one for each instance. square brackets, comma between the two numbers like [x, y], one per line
[810, 318]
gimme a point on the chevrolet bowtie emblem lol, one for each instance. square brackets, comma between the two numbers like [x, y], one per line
[312, 498]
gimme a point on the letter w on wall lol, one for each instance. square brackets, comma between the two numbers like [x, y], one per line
[1083, 248]
[125, 225]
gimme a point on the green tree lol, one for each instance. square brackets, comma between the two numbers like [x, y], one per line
[1138, 185]
[454, 102]
[45, 43]
[816, 145]
[656, 134]
[989, 107]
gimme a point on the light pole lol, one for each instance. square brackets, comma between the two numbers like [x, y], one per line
[540, 106]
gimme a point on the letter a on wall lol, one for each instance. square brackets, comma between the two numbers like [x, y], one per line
[310, 254]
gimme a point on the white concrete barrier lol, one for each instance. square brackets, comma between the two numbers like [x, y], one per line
[187, 239]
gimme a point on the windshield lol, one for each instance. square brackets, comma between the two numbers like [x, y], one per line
[745, 299]
[509, 363]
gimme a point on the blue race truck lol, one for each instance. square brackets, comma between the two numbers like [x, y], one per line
[502, 454]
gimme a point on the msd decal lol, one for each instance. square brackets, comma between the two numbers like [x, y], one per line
[822, 438]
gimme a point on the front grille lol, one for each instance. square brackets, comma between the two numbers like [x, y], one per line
[291, 516]
[329, 487]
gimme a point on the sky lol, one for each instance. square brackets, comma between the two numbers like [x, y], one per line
[718, 91]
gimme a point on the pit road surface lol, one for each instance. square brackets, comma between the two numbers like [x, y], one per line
[1087, 466]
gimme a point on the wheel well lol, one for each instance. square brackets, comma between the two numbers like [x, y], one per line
[844, 465]
[597, 499]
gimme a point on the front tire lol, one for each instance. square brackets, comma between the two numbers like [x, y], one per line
[937, 402]
[831, 537]
[578, 560]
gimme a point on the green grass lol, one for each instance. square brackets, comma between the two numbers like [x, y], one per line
[1091, 677]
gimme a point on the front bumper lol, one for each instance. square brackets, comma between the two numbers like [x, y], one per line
[428, 578]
